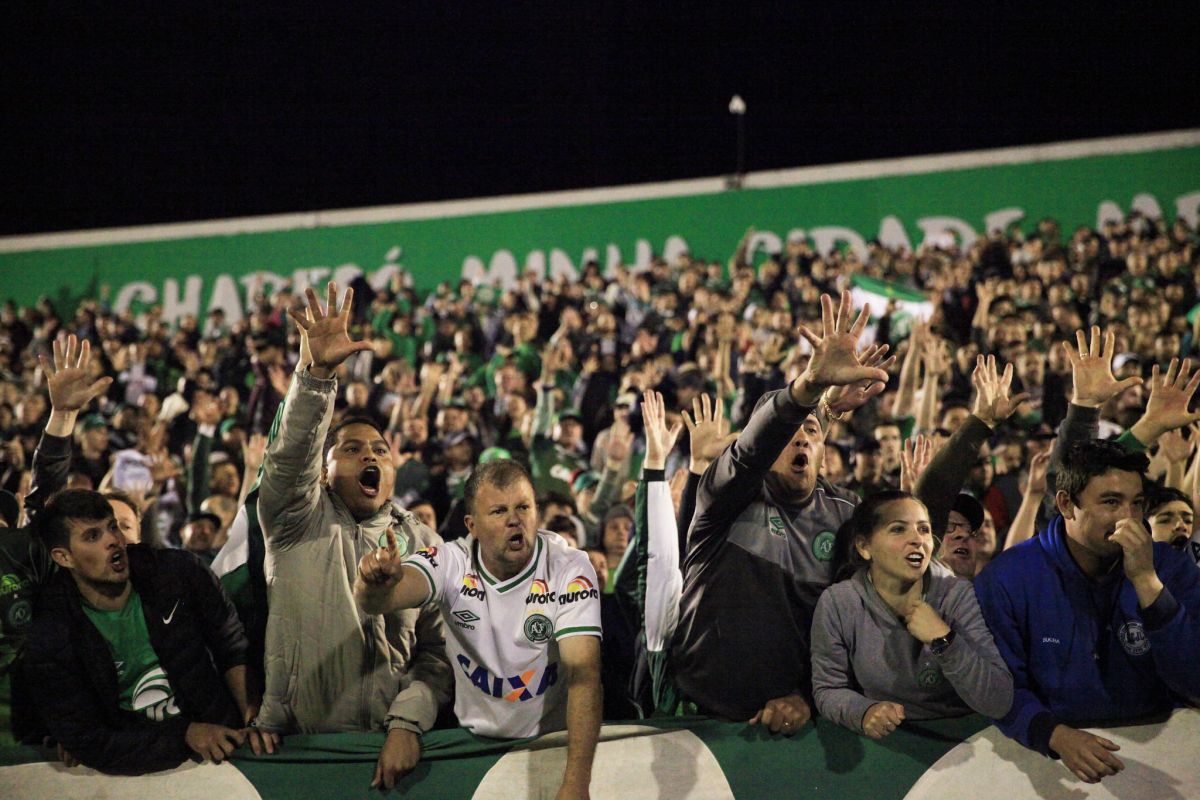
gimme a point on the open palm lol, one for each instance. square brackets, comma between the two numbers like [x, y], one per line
[67, 378]
[327, 331]
[835, 360]
[1091, 369]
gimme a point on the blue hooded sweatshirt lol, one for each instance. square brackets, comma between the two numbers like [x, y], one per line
[1081, 649]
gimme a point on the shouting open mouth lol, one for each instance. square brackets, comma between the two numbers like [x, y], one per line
[369, 479]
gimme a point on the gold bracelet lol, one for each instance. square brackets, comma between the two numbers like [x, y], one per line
[830, 414]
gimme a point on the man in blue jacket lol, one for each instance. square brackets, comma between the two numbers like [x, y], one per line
[1095, 620]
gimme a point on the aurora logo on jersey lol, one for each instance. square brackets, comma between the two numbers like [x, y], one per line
[428, 554]
[539, 593]
[519, 687]
[472, 587]
[580, 588]
[11, 584]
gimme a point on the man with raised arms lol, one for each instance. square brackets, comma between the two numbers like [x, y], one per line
[324, 501]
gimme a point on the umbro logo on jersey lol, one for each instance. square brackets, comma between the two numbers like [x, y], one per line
[463, 619]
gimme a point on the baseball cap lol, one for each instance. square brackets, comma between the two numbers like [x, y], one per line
[93, 421]
[494, 454]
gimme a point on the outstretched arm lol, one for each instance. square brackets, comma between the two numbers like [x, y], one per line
[385, 583]
[944, 478]
[71, 389]
[836, 364]
[290, 482]
[1024, 524]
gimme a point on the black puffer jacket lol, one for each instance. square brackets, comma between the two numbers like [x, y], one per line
[195, 632]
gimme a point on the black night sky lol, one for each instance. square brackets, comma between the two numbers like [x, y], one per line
[114, 115]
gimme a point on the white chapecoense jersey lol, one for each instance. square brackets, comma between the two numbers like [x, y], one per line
[503, 635]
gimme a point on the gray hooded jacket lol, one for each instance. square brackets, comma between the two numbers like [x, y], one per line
[329, 667]
[863, 654]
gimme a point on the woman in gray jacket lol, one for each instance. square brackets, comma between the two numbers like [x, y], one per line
[902, 638]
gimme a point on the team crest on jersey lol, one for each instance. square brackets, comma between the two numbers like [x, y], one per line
[930, 677]
[429, 554]
[401, 544]
[20, 614]
[822, 546]
[1133, 638]
[472, 586]
[538, 628]
[539, 593]
[580, 588]
[525, 686]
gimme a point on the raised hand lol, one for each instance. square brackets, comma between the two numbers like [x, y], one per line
[993, 404]
[835, 359]
[1174, 447]
[328, 331]
[395, 442]
[841, 399]
[1039, 465]
[1170, 396]
[1091, 369]
[914, 458]
[254, 450]
[707, 429]
[659, 438]
[71, 387]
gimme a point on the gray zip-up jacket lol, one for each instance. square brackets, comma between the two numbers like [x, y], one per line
[863, 654]
[329, 667]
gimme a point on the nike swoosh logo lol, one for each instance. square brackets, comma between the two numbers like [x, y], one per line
[167, 619]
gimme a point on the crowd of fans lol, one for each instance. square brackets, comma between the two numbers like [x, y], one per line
[173, 422]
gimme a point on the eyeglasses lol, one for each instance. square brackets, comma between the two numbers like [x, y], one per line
[954, 527]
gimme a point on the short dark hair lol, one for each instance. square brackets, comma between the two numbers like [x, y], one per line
[866, 516]
[124, 497]
[1092, 458]
[558, 499]
[501, 473]
[561, 523]
[51, 523]
[357, 419]
[1158, 496]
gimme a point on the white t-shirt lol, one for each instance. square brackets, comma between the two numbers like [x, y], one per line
[504, 635]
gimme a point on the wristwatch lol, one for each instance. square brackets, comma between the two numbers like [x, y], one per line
[941, 644]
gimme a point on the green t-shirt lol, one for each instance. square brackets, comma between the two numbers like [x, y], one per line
[143, 686]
